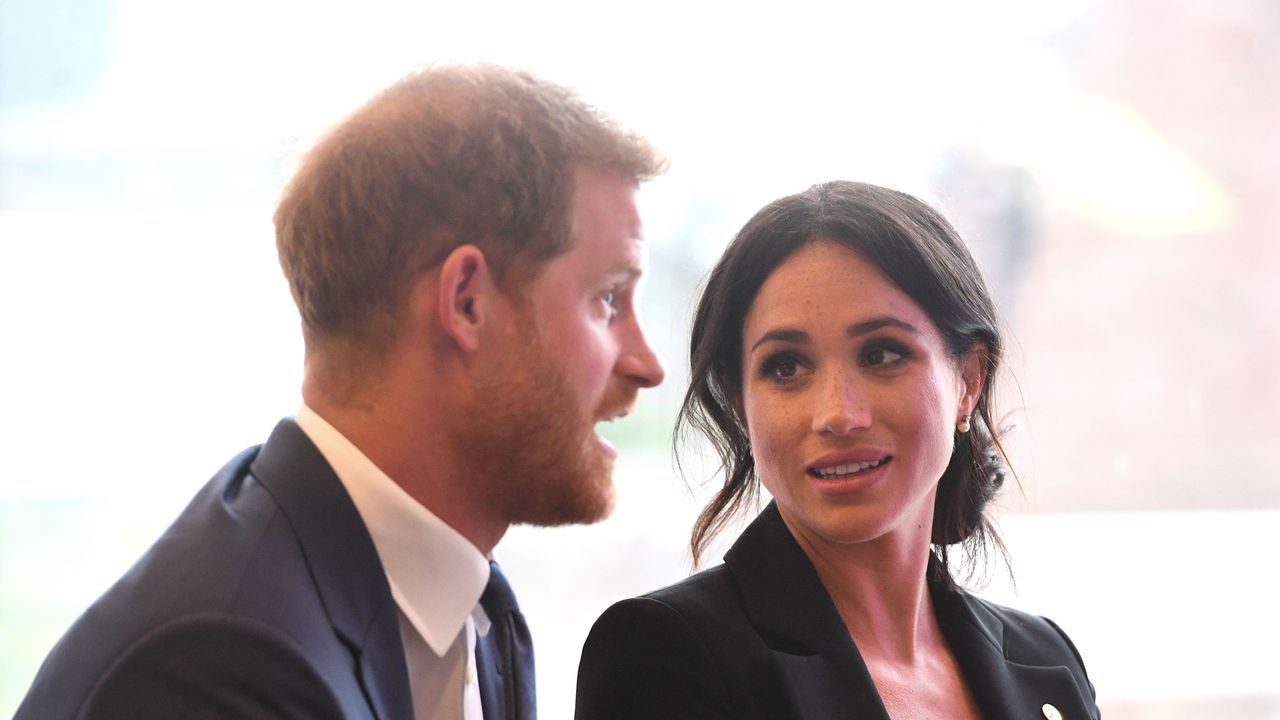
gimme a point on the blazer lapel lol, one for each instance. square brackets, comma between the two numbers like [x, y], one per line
[821, 672]
[1003, 687]
[343, 563]
[828, 687]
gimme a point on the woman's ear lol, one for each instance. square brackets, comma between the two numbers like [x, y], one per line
[973, 377]
[465, 296]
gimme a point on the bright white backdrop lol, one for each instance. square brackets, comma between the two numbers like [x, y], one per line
[148, 335]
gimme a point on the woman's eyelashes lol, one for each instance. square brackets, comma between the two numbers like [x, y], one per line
[881, 355]
[782, 367]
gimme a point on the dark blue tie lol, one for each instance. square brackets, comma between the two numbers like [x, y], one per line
[504, 657]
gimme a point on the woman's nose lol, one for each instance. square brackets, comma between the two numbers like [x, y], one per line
[842, 408]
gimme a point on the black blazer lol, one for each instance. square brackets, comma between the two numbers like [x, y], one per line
[759, 638]
[264, 599]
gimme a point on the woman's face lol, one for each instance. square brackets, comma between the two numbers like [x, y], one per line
[851, 398]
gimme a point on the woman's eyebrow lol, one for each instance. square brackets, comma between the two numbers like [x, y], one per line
[874, 324]
[801, 337]
[782, 335]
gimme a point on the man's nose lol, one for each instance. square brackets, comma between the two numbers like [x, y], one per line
[639, 362]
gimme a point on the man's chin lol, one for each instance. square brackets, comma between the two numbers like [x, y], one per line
[584, 503]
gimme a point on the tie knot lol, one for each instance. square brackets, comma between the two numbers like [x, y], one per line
[498, 599]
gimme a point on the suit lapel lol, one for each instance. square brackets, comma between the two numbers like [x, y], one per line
[1003, 687]
[828, 687]
[343, 563]
[820, 670]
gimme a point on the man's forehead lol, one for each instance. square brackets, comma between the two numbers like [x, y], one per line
[606, 224]
[614, 215]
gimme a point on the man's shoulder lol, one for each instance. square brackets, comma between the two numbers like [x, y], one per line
[229, 575]
[213, 665]
[212, 551]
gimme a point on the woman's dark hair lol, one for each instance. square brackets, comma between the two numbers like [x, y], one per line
[918, 251]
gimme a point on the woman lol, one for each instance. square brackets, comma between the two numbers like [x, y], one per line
[842, 356]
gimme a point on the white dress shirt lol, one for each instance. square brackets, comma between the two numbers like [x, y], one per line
[436, 577]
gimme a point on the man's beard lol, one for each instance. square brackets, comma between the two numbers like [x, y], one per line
[533, 451]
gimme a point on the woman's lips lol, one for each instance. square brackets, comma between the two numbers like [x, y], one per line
[835, 478]
[830, 471]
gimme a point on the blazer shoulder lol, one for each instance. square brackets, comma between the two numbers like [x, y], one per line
[1031, 639]
[708, 591]
[655, 656]
[231, 562]
[712, 607]
[210, 666]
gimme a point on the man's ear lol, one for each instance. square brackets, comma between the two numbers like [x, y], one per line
[973, 377]
[467, 292]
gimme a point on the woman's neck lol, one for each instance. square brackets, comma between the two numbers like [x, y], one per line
[879, 588]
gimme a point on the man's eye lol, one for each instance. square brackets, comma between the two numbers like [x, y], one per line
[610, 299]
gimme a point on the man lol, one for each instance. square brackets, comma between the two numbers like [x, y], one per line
[464, 251]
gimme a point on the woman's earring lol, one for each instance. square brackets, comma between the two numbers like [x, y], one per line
[963, 424]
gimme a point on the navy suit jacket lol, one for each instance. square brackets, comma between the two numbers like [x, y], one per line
[759, 638]
[264, 599]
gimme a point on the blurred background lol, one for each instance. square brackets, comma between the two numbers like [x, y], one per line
[1114, 164]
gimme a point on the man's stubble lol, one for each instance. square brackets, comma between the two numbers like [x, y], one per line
[531, 443]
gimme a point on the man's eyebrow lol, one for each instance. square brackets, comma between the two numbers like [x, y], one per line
[628, 270]
[874, 324]
[799, 337]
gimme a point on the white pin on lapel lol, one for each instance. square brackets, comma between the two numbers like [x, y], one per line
[1050, 712]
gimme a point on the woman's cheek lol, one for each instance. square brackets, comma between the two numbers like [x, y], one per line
[772, 442]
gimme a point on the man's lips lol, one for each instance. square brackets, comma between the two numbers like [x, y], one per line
[611, 411]
[609, 416]
[609, 450]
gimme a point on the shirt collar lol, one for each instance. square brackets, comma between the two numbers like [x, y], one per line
[436, 575]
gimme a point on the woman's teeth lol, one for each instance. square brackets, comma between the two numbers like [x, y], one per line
[835, 471]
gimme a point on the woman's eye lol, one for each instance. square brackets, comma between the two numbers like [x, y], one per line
[781, 368]
[878, 356]
[785, 369]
